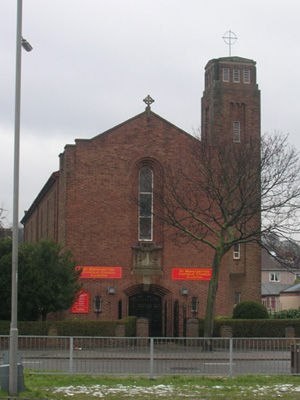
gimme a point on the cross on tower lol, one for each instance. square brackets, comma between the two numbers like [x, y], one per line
[230, 38]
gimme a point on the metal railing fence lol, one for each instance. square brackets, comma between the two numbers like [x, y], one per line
[156, 356]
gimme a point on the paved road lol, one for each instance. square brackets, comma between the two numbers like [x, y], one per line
[130, 362]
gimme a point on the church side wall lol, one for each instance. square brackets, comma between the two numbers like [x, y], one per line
[43, 221]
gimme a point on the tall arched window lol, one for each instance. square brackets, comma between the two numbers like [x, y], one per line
[145, 204]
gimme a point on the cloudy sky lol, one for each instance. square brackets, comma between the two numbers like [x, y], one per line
[94, 61]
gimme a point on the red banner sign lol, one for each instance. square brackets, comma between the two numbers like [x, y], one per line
[82, 303]
[191, 274]
[101, 272]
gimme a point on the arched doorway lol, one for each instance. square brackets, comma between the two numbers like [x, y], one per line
[147, 305]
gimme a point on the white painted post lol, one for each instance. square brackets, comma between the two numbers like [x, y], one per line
[230, 357]
[71, 356]
[151, 357]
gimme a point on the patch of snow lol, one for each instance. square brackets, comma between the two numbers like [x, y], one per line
[169, 390]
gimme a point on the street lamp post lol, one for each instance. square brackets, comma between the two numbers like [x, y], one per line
[13, 344]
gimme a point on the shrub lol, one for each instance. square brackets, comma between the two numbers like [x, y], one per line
[250, 310]
[287, 314]
[130, 326]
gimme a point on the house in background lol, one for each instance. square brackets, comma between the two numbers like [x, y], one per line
[7, 233]
[290, 297]
[275, 280]
[270, 294]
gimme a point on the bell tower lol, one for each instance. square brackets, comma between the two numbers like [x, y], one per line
[230, 101]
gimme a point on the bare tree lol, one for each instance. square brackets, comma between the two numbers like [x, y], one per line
[286, 251]
[2, 217]
[229, 194]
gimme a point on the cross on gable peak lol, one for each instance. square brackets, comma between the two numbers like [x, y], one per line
[148, 100]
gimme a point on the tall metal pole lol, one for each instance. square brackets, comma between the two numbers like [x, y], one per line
[13, 349]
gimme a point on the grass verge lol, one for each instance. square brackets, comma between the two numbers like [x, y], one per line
[58, 387]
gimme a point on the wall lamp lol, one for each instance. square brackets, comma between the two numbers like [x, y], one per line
[184, 291]
[111, 290]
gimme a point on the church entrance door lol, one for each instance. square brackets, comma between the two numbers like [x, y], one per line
[147, 305]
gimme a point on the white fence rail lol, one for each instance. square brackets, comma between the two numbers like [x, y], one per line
[156, 356]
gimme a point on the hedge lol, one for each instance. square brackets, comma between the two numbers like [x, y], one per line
[130, 326]
[72, 328]
[240, 328]
[254, 328]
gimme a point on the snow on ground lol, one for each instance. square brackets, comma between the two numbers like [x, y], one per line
[169, 390]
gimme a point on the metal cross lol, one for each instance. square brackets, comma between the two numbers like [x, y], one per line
[230, 38]
[148, 100]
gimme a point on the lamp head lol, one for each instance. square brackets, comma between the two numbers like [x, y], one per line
[26, 45]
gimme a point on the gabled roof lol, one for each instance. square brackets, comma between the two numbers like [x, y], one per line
[292, 289]
[273, 289]
[149, 114]
[270, 263]
[55, 175]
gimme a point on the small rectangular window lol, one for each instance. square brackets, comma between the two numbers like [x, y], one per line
[237, 298]
[194, 305]
[274, 277]
[236, 251]
[246, 75]
[97, 304]
[236, 131]
[236, 75]
[226, 75]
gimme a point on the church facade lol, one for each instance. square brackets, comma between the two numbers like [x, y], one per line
[129, 264]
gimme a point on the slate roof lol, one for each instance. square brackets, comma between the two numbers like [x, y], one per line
[273, 289]
[292, 289]
[268, 263]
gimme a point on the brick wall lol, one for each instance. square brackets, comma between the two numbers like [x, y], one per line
[101, 208]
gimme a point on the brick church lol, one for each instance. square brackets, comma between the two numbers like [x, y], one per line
[129, 265]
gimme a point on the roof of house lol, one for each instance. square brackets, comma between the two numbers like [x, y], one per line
[269, 263]
[292, 289]
[274, 289]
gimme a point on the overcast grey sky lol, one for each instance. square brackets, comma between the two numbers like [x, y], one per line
[94, 61]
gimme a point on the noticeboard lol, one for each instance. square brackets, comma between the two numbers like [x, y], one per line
[82, 303]
[191, 274]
